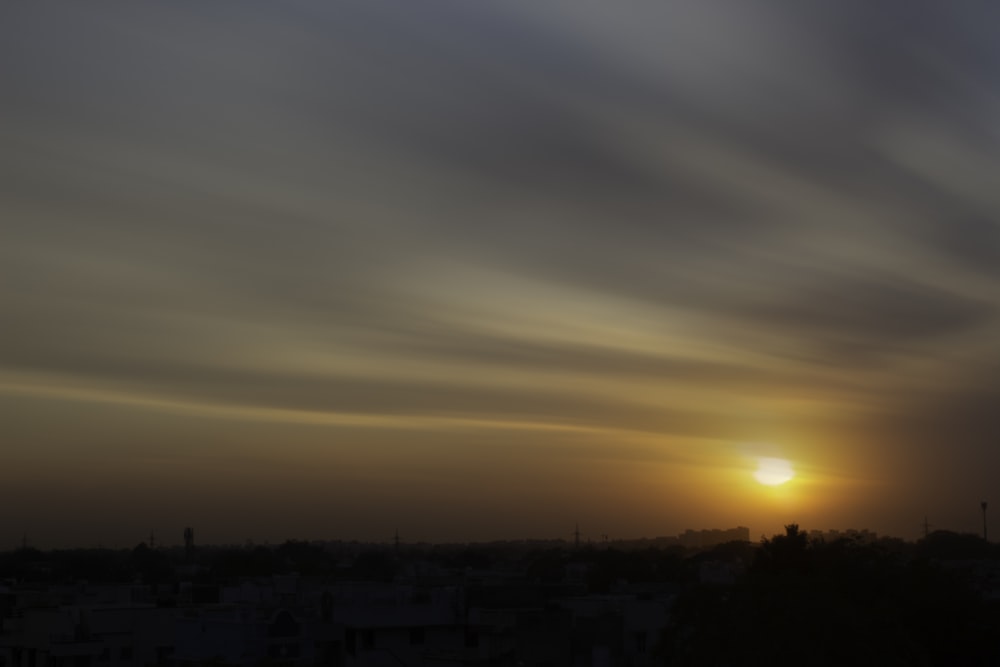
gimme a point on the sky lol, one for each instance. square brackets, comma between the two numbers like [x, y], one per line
[477, 271]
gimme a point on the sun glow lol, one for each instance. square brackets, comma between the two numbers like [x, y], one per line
[773, 472]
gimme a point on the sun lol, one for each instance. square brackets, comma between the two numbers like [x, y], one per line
[773, 472]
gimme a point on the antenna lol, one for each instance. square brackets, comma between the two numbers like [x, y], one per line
[576, 536]
[927, 526]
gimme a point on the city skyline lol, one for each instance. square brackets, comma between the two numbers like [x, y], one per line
[481, 272]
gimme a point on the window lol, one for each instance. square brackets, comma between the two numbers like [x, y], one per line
[417, 637]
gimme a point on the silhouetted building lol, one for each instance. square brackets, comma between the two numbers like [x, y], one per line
[700, 539]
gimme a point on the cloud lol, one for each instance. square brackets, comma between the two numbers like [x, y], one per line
[716, 222]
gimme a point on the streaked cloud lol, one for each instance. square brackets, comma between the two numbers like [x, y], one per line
[665, 231]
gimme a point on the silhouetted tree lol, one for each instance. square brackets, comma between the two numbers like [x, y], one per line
[948, 545]
[547, 566]
[227, 564]
[839, 603]
[96, 565]
[153, 566]
[302, 557]
[788, 552]
[375, 565]
[26, 563]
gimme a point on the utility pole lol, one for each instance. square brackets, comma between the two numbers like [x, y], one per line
[576, 536]
[927, 527]
[983, 505]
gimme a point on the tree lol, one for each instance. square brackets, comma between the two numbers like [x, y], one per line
[844, 602]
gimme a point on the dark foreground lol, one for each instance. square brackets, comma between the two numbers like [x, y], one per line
[789, 600]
